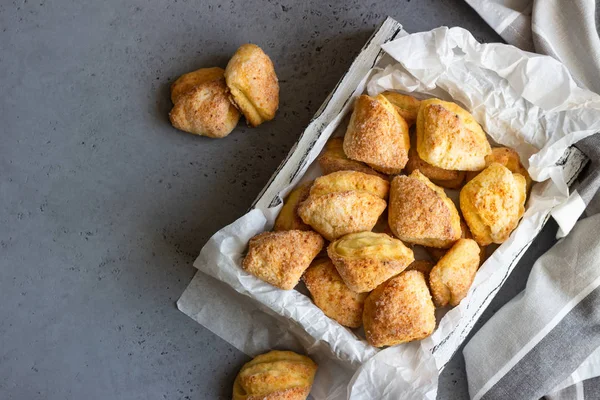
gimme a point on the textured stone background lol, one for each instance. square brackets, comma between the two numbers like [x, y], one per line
[103, 206]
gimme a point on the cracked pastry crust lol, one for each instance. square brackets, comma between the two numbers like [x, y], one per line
[253, 84]
[448, 137]
[377, 135]
[407, 106]
[332, 295]
[367, 259]
[492, 203]
[276, 375]
[280, 258]
[201, 104]
[288, 218]
[507, 157]
[454, 273]
[421, 213]
[343, 181]
[339, 213]
[400, 310]
[334, 159]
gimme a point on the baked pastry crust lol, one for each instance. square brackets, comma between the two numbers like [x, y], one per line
[437, 254]
[377, 135]
[439, 176]
[400, 310]
[276, 375]
[202, 105]
[453, 275]
[492, 203]
[507, 157]
[343, 181]
[334, 159]
[280, 258]
[421, 213]
[449, 137]
[367, 259]
[288, 218]
[332, 295]
[423, 266]
[337, 214]
[254, 87]
[407, 106]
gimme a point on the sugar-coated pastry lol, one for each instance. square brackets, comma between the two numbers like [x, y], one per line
[254, 87]
[507, 157]
[449, 137]
[492, 203]
[367, 259]
[280, 258]
[423, 266]
[439, 176]
[399, 310]
[343, 181]
[407, 106]
[337, 214]
[332, 295]
[377, 135]
[421, 213]
[454, 273]
[186, 82]
[288, 218]
[276, 375]
[334, 159]
[202, 105]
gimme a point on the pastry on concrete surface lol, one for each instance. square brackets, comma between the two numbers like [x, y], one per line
[421, 213]
[332, 295]
[288, 218]
[492, 203]
[276, 375]
[186, 82]
[407, 106]
[337, 214]
[439, 176]
[280, 258]
[449, 137]
[453, 274]
[343, 181]
[202, 105]
[423, 266]
[507, 157]
[367, 259]
[399, 310]
[253, 84]
[334, 159]
[377, 135]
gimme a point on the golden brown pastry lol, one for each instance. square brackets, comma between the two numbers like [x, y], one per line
[436, 254]
[332, 295]
[439, 176]
[423, 266]
[407, 106]
[367, 259]
[334, 159]
[399, 310]
[507, 157]
[202, 105]
[449, 137]
[453, 275]
[251, 78]
[276, 375]
[288, 218]
[280, 258]
[377, 135]
[343, 181]
[337, 214]
[492, 203]
[186, 82]
[421, 213]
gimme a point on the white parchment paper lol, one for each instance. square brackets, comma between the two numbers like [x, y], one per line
[523, 100]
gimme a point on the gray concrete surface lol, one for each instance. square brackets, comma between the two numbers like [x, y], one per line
[103, 206]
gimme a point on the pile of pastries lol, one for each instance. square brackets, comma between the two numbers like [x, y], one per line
[208, 101]
[350, 234]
